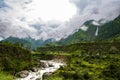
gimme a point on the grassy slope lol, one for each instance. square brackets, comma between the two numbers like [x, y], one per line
[5, 76]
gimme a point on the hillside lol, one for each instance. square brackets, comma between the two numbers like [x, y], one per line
[109, 30]
[116, 38]
[14, 58]
[105, 32]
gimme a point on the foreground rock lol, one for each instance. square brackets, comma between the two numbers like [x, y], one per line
[22, 74]
[46, 64]
[34, 69]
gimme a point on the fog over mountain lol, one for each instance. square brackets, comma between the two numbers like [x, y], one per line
[18, 18]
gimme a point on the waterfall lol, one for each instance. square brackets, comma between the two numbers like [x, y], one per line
[96, 33]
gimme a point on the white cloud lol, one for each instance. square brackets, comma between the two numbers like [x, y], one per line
[20, 18]
[48, 10]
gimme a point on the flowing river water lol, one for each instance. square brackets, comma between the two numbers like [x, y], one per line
[48, 69]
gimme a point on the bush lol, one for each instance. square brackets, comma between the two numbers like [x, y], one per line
[112, 71]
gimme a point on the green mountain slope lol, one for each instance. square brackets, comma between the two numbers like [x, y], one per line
[29, 43]
[81, 35]
[14, 58]
[21, 42]
[105, 31]
[109, 30]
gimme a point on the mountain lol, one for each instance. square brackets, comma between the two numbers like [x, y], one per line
[28, 42]
[94, 31]
[109, 30]
[90, 31]
[86, 33]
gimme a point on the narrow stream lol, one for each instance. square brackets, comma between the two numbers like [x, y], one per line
[39, 74]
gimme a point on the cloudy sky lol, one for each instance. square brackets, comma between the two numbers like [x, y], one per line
[52, 18]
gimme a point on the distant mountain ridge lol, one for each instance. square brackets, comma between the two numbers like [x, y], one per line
[28, 42]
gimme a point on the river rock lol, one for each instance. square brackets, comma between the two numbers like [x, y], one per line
[38, 79]
[34, 69]
[44, 64]
[50, 65]
[22, 74]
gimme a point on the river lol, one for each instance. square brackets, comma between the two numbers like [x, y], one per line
[41, 71]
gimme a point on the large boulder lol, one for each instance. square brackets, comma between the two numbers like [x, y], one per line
[22, 74]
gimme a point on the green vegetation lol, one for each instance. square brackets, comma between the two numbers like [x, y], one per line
[80, 35]
[86, 61]
[17, 41]
[106, 31]
[109, 30]
[14, 58]
[5, 76]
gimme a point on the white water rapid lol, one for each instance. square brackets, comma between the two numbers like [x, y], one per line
[39, 74]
